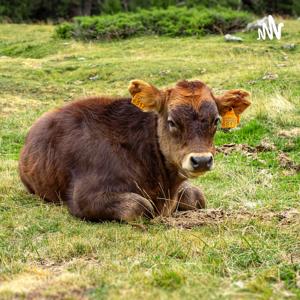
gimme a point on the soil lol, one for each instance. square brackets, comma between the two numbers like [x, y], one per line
[196, 218]
[265, 146]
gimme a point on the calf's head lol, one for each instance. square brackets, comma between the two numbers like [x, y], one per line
[188, 115]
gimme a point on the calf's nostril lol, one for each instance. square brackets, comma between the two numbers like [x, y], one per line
[210, 162]
[195, 160]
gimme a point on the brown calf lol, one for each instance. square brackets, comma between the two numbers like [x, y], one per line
[109, 160]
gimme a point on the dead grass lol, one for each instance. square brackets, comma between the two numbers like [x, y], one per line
[50, 281]
[12, 104]
[293, 132]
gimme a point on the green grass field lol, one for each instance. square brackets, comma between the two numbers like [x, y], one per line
[47, 254]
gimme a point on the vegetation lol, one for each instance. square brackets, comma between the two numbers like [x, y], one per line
[287, 7]
[56, 10]
[171, 22]
[47, 254]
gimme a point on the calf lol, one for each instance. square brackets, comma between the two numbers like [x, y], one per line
[107, 159]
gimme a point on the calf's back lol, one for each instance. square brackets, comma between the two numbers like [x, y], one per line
[109, 140]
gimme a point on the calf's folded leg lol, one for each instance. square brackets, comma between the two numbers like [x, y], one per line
[97, 205]
[190, 197]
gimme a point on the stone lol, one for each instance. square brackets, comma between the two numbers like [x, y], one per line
[289, 46]
[232, 38]
[257, 24]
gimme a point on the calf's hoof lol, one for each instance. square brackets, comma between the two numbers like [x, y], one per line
[134, 207]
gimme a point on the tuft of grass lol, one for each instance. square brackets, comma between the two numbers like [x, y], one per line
[251, 133]
[167, 278]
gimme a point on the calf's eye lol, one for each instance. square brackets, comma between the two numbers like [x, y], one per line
[171, 124]
[217, 121]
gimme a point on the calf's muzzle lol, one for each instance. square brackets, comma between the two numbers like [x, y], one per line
[198, 162]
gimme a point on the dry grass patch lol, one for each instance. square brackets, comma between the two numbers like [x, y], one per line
[12, 104]
[289, 133]
[51, 281]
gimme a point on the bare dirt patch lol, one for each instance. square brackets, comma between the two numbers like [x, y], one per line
[247, 150]
[196, 218]
[287, 163]
[79, 294]
[252, 152]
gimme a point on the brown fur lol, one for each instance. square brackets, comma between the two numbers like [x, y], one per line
[108, 160]
[190, 93]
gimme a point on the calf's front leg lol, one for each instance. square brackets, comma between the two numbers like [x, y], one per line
[190, 197]
[90, 203]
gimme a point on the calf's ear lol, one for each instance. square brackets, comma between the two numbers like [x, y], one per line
[233, 99]
[146, 96]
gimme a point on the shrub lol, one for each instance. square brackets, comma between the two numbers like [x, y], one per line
[55, 10]
[173, 22]
[64, 30]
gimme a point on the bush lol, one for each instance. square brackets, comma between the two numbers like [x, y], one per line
[55, 10]
[173, 22]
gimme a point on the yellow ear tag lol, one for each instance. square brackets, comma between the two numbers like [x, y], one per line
[230, 120]
[137, 102]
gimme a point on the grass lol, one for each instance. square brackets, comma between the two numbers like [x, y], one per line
[46, 253]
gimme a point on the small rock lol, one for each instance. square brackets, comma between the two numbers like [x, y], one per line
[164, 72]
[270, 76]
[81, 58]
[256, 24]
[232, 38]
[252, 82]
[289, 46]
[281, 65]
[239, 284]
[250, 205]
[94, 77]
